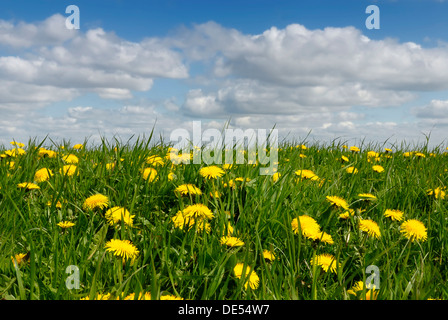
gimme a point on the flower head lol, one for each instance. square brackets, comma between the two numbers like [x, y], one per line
[308, 226]
[326, 261]
[231, 241]
[251, 277]
[149, 174]
[211, 172]
[438, 193]
[198, 210]
[307, 174]
[337, 202]
[69, 170]
[414, 230]
[116, 214]
[371, 227]
[28, 186]
[122, 248]
[42, 175]
[66, 224]
[395, 215]
[70, 159]
[378, 168]
[96, 201]
[186, 189]
[268, 255]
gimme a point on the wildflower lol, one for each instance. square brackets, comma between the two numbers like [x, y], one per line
[252, 278]
[116, 214]
[276, 176]
[28, 186]
[99, 296]
[65, 224]
[325, 238]
[351, 170]
[18, 144]
[414, 230]
[149, 174]
[171, 176]
[354, 149]
[96, 201]
[268, 255]
[378, 168]
[346, 214]
[198, 211]
[387, 150]
[307, 174]
[438, 193]
[20, 258]
[170, 297]
[367, 196]
[419, 155]
[231, 241]
[141, 296]
[185, 189]
[326, 261]
[337, 202]
[69, 170]
[122, 248]
[370, 227]
[308, 226]
[154, 160]
[42, 175]
[181, 222]
[395, 215]
[78, 146]
[344, 159]
[211, 172]
[70, 159]
[46, 153]
[359, 286]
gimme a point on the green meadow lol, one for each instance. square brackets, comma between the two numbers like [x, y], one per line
[131, 221]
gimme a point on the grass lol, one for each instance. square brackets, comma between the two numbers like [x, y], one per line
[193, 264]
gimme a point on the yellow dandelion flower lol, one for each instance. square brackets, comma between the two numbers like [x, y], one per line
[231, 241]
[370, 227]
[42, 175]
[395, 215]
[325, 238]
[351, 170]
[354, 149]
[78, 146]
[69, 170]
[18, 144]
[154, 160]
[171, 176]
[122, 248]
[70, 159]
[96, 201]
[116, 214]
[371, 293]
[438, 193]
[186, 189]
[46, 153]
[414, 230]
[326, 261]
[181, 222]
[170, 297]
[307, 174]
[367, 196]
[268, 255]
[20, 258]
[28, 186]
[337, 202]
[198, 210]
[347, 214]
[344, 159]
[276, 176]
[377, 168]
[308, 226]
[66, 224]
[149, 174]
[99, 296]
[141, 296]
[211, 172]
[252, 278]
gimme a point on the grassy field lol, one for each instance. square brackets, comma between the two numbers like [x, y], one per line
[122, 221]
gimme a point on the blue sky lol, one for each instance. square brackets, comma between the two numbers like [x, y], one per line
[303, 66]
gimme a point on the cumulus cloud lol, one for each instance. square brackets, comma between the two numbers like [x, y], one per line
[67, 63]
